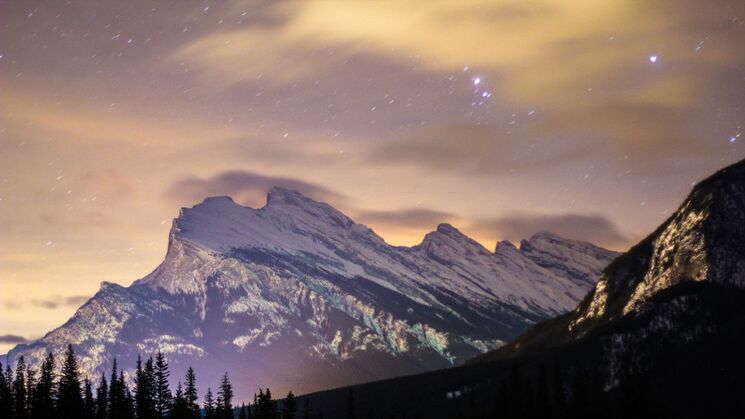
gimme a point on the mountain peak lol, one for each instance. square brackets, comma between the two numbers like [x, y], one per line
[701, 242]
[283, 195]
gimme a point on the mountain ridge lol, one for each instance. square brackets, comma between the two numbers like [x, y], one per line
[298, 279]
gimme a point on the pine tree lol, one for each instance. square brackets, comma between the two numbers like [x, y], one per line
[30, 389]
[44, 391]
[6, 395]
[162, 391]
[102, 399]
[20, 408]
[89, 404]
[115, 403]
[69, 401]
[144, 391]
[225, 399]
[265, 406]
[191, 396]
[128, 411]
[290, 407]
[119, 400]
[209, 405]
[179, 410]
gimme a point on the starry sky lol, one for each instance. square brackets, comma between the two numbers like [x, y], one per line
[591, 119]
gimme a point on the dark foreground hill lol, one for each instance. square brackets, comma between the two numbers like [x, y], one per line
[661, 335]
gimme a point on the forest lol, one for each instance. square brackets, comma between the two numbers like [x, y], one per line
[59, 392]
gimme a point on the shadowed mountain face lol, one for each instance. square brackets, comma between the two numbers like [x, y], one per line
[700, 247]
[297, 295]
[660, 335]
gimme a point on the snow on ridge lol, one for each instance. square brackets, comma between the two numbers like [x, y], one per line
[300, 271]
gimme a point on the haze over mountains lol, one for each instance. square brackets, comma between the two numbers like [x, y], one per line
[297, 295]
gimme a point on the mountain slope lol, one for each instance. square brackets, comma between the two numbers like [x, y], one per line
[702, 243]
[661, 335]
[283, 292]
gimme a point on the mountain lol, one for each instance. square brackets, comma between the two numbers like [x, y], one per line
[661, 335]
[700, 249]
[297, 295]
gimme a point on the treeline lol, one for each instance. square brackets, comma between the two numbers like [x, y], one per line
[45, 393]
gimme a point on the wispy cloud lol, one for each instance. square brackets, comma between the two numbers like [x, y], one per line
[12, 339]
[51, 303]
[595, 229]
[245, 187]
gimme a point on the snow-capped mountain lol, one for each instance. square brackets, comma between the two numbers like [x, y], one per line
[297, 295]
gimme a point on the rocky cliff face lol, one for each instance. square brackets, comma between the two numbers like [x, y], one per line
[680, 288]
[297, 295]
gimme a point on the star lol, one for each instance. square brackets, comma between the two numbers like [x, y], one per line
[653, 58]
[476, 81]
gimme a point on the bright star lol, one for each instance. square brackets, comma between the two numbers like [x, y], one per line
[653, 58]
[476, 81]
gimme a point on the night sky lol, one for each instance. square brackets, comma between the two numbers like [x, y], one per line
[588, 118]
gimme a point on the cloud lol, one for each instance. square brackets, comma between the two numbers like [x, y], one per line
[477, 149]
[415, 218]
[331, 31]
[51, 303]
[595, 229]
[13, 339]
[245, 187]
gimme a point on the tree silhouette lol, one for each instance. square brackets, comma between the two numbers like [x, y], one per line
[89, 403]
[224, 407]
[162, 391]
[290, 407]
[69, 401]
[191, 395]
[20, 398]
[144, 390]
[209, 405]
[102, 398]
[6, 395]
[45, 391]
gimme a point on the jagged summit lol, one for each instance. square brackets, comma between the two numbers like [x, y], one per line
[298, 280]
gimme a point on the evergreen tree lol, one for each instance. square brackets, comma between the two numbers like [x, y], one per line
[119, 403]
[45, 391]
[179, 409]
[20, 408]
[225, 399]
[69, 401]
[144, 391]
[89, 403]
[209, 405]
[30, 389]
[128, 411]
[290, 407]
[162, 391]
[191, 396]
[266, 408]
[242, 412]
[102, 398]
[6, 394]
[350, 405]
